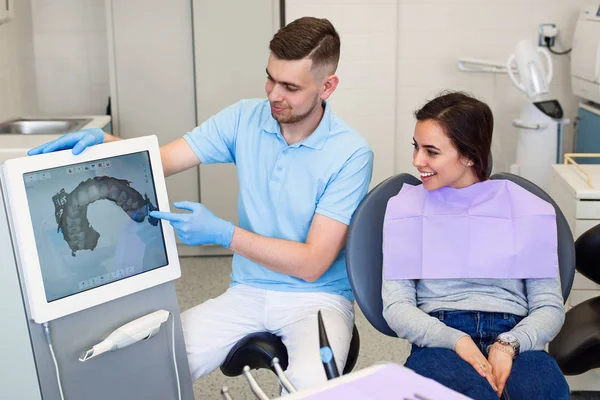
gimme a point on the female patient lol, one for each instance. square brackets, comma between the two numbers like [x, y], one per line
[471, 266]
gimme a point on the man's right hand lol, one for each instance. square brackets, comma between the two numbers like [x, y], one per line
[466, 349]
[77, 141]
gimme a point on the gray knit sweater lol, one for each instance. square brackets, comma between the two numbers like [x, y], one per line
[408, 302]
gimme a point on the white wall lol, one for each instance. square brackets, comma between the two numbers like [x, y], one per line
[366, 95]
[17, 80]
[433, 34]
[396, 54]
[71, 63]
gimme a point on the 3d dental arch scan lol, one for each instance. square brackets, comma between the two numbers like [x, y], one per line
[71, 208]
[100, 231]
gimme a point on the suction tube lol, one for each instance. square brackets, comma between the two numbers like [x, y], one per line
[326, 354]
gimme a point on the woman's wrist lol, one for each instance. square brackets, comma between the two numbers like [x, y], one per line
[505, 348]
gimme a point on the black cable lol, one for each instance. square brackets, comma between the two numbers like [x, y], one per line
[558, 53]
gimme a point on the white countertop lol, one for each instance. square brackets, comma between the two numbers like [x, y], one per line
[577, 181]
[10, 141]
[98, 121]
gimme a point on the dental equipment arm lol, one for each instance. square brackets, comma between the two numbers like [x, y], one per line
[285, 382]
[256, 389]
[225, 393]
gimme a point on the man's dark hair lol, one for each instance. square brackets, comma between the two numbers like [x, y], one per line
[468, 122]
[308, 37]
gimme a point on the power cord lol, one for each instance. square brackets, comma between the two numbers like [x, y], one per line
[174, 357]
[49, 341]
[558, 53]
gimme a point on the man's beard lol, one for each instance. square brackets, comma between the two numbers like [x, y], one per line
[294, 118]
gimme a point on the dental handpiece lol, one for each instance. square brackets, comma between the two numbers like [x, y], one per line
[225, 393]
[326, 353]
[142, 328]
[281, 375]
[256, 389]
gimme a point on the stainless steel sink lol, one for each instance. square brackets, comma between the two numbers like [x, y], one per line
[42, 126]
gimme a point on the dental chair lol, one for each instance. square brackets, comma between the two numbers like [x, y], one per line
[364, 256]
[257, 350]
[577, 346]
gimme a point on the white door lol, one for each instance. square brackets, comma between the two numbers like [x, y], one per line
[231, 48]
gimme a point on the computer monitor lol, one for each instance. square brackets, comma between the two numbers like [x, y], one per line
[81, 227]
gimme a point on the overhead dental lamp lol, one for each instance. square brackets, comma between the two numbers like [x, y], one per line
[540, 123]
[539, 140]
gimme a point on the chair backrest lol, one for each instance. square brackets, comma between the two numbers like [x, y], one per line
[364, 258]
[587, 254]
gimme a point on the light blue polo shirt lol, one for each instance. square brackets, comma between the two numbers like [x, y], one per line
[282, 187]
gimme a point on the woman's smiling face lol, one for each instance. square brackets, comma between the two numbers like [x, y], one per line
[437, 159]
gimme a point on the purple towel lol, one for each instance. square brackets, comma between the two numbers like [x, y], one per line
[389, 382]
[492, 229]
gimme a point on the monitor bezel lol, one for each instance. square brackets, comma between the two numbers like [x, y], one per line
[39, 309]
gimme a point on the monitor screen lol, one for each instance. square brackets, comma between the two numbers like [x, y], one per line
[91, 224]
[551, 108]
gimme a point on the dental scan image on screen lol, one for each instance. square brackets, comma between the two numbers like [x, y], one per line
[91, 223]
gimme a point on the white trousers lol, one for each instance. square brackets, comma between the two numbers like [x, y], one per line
[212, 328]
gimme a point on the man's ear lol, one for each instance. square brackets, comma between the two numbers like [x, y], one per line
[329, 85]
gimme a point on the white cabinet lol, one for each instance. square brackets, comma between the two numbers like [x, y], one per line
[7, 154]
[172, 67]
[152, 78]
[581, 207]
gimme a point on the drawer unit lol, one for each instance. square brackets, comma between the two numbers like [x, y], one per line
[581, 206]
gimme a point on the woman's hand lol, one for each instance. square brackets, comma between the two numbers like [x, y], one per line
[500, 357]
[466, 349]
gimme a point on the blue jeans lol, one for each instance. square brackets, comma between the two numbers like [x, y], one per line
[534, 375]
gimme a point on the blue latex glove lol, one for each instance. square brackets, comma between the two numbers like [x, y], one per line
[199, 227]
[77, 141]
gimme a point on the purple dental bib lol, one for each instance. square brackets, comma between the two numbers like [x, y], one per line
[491, 229]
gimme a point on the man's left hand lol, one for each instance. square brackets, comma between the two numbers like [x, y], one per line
[501, 361]
[198, 227]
